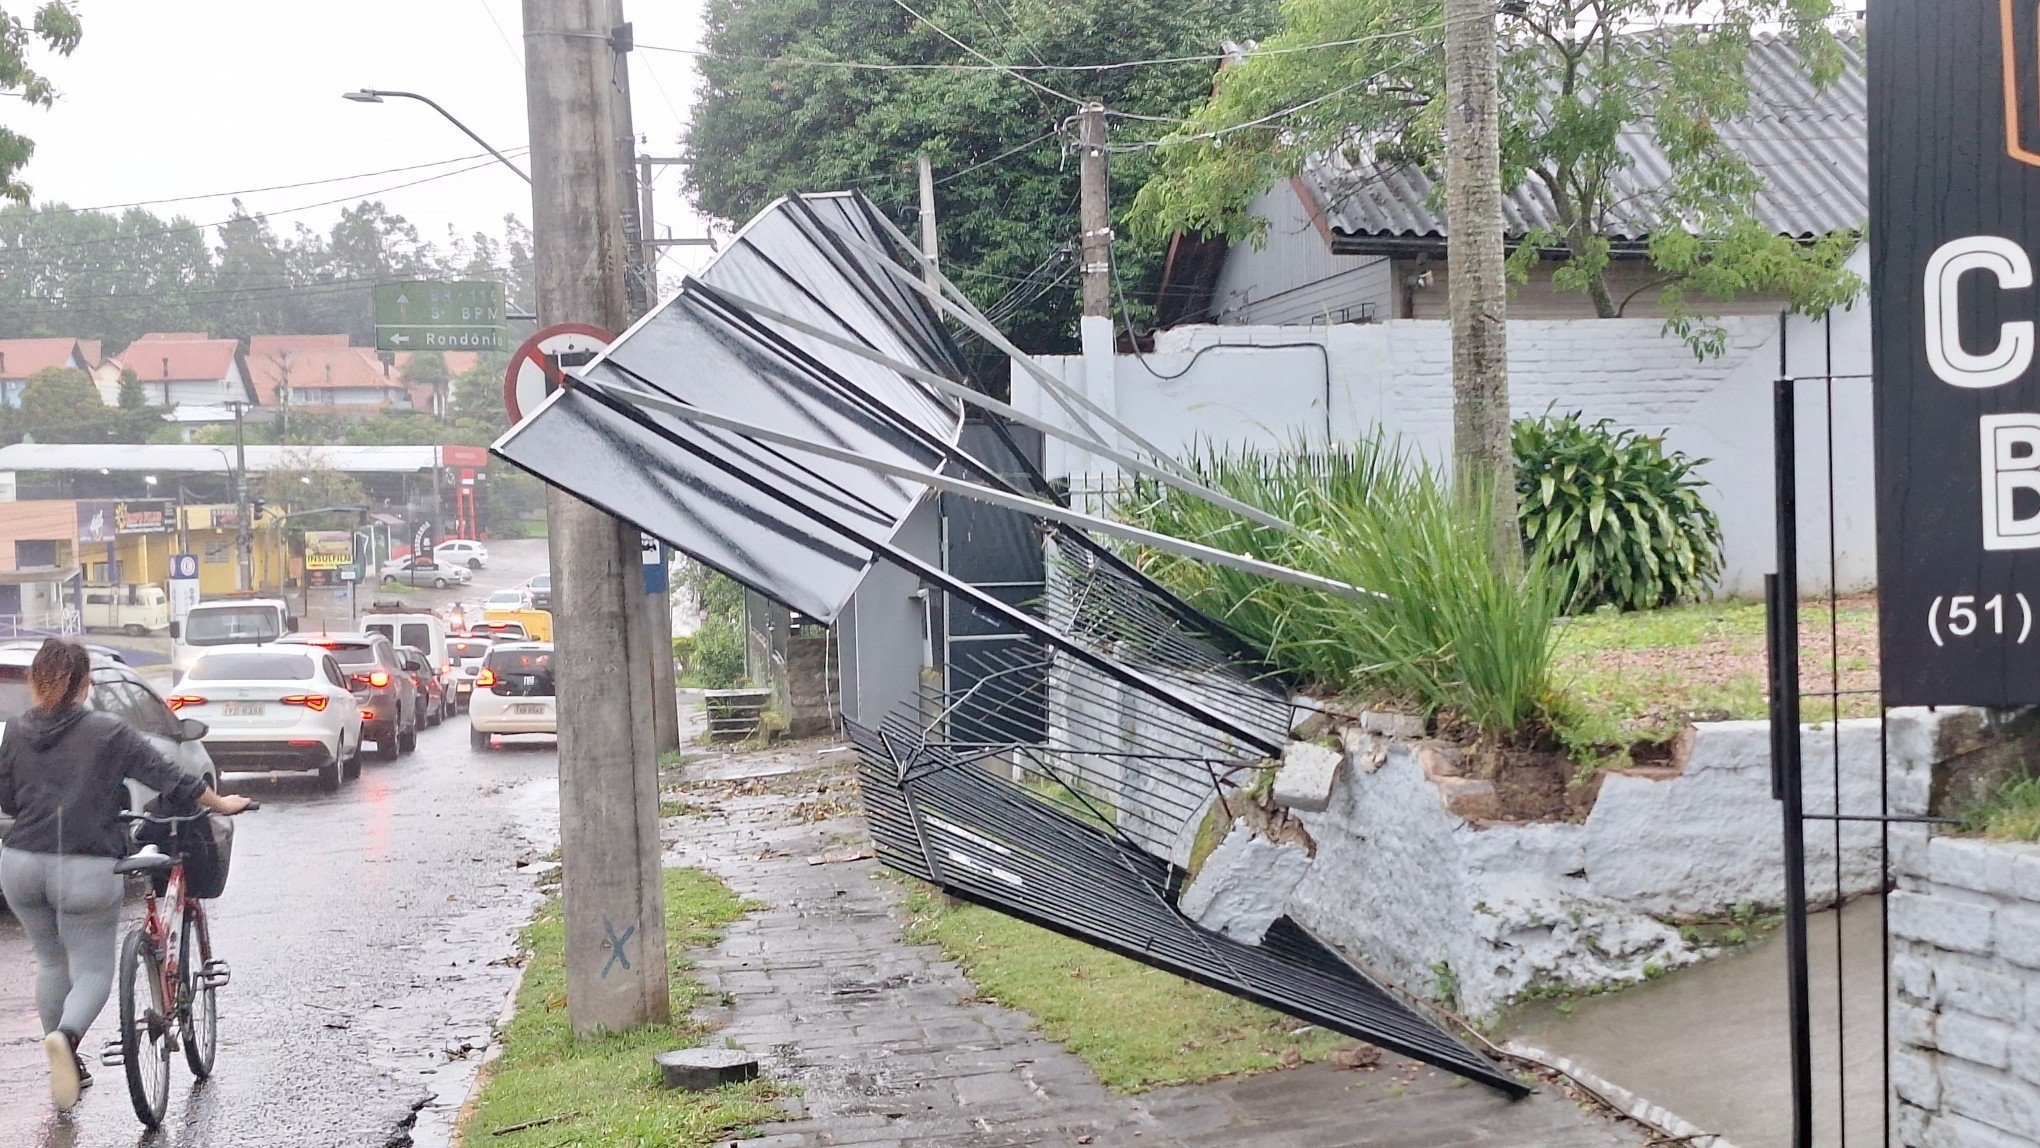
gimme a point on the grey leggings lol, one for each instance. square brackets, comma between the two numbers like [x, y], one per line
[70, 908]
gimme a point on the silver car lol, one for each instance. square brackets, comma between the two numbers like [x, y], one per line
[119, 690]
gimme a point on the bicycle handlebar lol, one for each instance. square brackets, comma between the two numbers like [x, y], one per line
[176, 818]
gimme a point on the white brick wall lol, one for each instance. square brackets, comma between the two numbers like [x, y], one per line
[1965, 972]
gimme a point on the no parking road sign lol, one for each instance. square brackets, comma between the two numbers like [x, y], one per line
[536, 368]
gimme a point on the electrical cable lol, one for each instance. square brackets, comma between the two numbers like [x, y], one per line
[961, 172]
[1020, 76]
[282, 186]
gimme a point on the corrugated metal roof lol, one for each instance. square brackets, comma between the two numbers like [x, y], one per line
[1810, 146]
[172, 458]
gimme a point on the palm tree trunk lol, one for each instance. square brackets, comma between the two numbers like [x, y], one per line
[1482, 456]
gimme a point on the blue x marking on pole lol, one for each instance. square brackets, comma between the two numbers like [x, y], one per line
[616, 944]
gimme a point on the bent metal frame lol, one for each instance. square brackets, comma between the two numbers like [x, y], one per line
[779, 417]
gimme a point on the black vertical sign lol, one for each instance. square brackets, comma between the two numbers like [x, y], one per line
[1955, 235]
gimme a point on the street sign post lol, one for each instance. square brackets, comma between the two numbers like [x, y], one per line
[1955, 216]
[184, 592]
[536, 365]
[419, 316]
[653, 554]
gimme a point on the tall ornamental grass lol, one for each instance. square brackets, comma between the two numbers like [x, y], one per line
[1444, 630]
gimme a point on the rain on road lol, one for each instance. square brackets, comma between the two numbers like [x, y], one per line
[367, 932]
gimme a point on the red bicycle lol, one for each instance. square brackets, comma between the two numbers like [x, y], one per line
[167, 991]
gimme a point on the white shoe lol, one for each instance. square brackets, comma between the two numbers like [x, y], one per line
[63, 1070]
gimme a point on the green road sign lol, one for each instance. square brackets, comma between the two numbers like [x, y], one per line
[465, 316]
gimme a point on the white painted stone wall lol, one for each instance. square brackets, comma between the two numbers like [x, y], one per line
[1965, 1013]
[1351, 380]
[1412, 888]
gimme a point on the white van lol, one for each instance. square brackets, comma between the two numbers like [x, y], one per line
[227, 622]
[404, 627]
[134, 608]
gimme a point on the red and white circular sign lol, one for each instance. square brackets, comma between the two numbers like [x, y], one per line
[535, 367]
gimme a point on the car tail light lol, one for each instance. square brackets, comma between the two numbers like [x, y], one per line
[485, 678]
[313, 702]
[179, 701]
[378, 679]
[367, 715]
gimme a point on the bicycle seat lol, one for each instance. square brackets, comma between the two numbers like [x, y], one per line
[143, 863]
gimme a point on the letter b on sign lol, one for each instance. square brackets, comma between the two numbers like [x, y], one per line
[2011, 464]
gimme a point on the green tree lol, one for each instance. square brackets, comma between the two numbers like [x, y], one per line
[132, 397]
[477, 414]
[58, 398]
[301, 484]
[1576, 75]
[56, 28]
[1006, 206]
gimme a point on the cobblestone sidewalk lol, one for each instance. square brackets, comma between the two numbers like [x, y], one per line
[888, 1047]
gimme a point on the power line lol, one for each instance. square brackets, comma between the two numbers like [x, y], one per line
[960, 173]
[280, 186]
[990, 65]
[1007, 69]
[491, 13]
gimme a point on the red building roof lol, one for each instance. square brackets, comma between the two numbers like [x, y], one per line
[20, 358]
[177, 358]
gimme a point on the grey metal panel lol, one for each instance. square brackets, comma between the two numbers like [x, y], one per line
[1809, 146]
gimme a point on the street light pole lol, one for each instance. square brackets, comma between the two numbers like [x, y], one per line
[376, 96]
[244, 542]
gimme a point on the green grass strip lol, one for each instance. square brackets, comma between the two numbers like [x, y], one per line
[1137, 1027]
[605, 1091]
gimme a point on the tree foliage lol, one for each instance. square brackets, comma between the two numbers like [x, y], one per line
[56, 28]
[114, 276]
[301, 483]
[763, 127]
[61, 404]
[1576, 74]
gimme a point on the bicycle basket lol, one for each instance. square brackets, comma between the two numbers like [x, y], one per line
[207, 847]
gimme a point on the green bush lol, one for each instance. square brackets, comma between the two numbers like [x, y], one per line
[1617, 516]
[1446, 630]
[713, 657]
[2010, 812]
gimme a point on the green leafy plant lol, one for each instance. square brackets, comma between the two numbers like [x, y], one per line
[2011, 812]
[1616, 516]
[713, 658]
[1443, 629]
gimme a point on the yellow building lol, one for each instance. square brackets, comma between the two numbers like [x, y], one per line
[131, 540]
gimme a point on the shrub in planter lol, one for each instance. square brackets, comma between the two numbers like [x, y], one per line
[1617, 517]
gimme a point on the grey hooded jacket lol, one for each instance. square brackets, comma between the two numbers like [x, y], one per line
[61, 775]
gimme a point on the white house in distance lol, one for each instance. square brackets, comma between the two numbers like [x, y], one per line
[184, 370]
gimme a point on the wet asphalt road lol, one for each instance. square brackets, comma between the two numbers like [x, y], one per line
[367, 933]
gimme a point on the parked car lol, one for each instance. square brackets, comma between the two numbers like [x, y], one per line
[424, 572]
[136, 609]
[513, 694]
[462, 552]
[466, 655]
[388, 700]
[118, 690]
[540, 586]
[285, 708]
[432, 704]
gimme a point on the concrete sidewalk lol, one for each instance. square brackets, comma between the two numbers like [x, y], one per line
[889, 1046]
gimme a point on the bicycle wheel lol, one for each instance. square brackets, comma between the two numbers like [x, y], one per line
[144, 1029]
[200, 1020]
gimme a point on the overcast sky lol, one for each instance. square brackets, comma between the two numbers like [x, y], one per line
[191, 97]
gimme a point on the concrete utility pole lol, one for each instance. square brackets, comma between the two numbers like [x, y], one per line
[1479, 293]
[609, 785]
[1096, 213]
[644, 295]
[244, 543]
[929, 245]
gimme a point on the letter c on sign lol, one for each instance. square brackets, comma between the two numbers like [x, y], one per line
[2007, 262]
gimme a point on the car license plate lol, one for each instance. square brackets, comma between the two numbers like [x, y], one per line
[244, 709]
[527, 708]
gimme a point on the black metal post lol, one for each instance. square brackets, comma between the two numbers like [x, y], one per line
[1782, 623]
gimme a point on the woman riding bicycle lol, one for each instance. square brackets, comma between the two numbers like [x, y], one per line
[61, 769]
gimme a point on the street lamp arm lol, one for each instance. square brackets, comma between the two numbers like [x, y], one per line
[429, 102]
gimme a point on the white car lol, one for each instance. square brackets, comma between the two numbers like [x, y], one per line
[462, 552]
[513, 694]
[465, 656]
[275, 708]
[515, 598]
[425, 572]
[118, 690]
